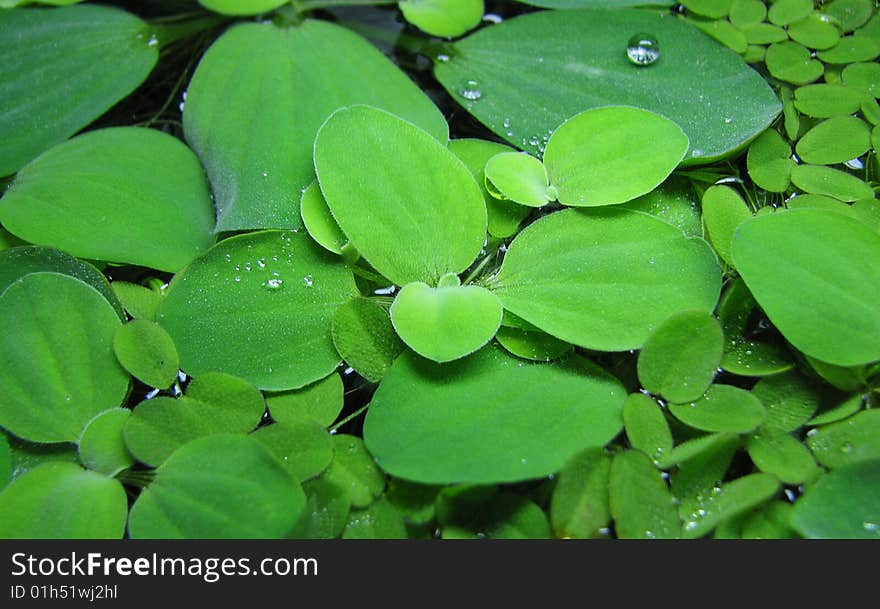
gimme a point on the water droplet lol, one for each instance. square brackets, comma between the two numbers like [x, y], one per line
[846, 447]
[265, 174]
[855, 163]
[153, 41]
[696, 152]
[308, 280]
[237, 279]
[470, 90]
[871, 526]
[643, 49]
[650, 535]
[523, 460]
[728, 120]
[272, 284]
[261, 263]
[442, 57]
[247, 266]
[228, 257]
[506, 123]
[651, 260]
[493, 18]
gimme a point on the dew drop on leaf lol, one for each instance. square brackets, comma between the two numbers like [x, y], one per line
[643, 49]
[470, 90]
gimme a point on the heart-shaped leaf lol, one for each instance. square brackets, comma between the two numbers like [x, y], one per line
[518, 177]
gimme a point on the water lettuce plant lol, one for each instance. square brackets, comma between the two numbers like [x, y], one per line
[577, 268]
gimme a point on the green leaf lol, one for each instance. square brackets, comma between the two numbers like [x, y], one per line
[380, 520]
[641, 504]
[864, 76]
[445, 18]
[790, 399]
[773, 521]
[537, 346]
[791, 62]
[763, 33]
[844, 378]
[57, 367]
[365, 338]
[415, 502]
[319, 221]
[679, 359]
[783, 456]
[76, 63]
[321, 401]
[674, 202]
[698, 447]
[821, 180]
[491, 417]
[5, 461]
[241, 7]
[708, 8]
[447, 322]
[306, 449]
[849, 441]
[850, 14]
[814, 31]
[842, 504]
[354, 470]
[147, 352]
[730, 500]
[725, 33]
[840, 411]
[140, 302]
[27, 455]
[222, 486]
[646, 426]
[258, 162]
[825, 101]
[124, 194]
[746, 12]
[722, 408]
[786, 12]
[723, 211]
[518, 177]
[504, 219]
[598, 156]
[579, 506]
[574, 4]
[606, 278]
[267, 288]
[510, 516]
[240, 403]
[769, 161]
[412, 222]
[699, 474]
[587, 67]
[102, 447]
[326, 511]
[851, 49]
[818, 293]
[791, 117]
[835, 140]
[63, 501]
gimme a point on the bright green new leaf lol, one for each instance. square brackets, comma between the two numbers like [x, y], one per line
[579, 506]
[380, 520]
[820, 290]
[222, 486]
[746, 12]
[491, 417]
[730, 499]
[769, 161]
[63, 501]
[791, 62]
[519, 177]
[850, 14]
[851, 49]
[699, 475]
[820, 180]
[790, 399]
[843, 504]
[786, 12]
[791, 117]
[140, 302]
[599, 157]
[241, 7]
[75, 64]
[864, 76]
[646, 426]
[319, 221]
[763, 33]
[674, 202]
[708, 8]
[533, 345]
[326, 511]
[722, 408]
[783, 456]
[321, 401]
[825, 101]
[815, 32]
[641, 504]
[835, 140]
[412, 221]
[305, 448]
[147, 352]
[723, 211]
[587, 67]
[679, 359]
[725, 33]
[446, 18]
[123, 194]
[605, 278]
[365, 338]
[57, 367]
[446, 322]
[256, 101]
[354, 470]
[268, 288]
[849, 441]
[102, 447]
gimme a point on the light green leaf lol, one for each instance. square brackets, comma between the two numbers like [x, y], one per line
[123, 194]
[579, 506]
[140, 302]
[510, 516]
[825, 101]
[790, 399]
[786, 12]
[821, 180]
[241, 7]
[533, 345]
[723, 211]
[147, 352]
[641, 504]
[646, 426]
[587, 67]
[725, 33]
[851, 49]
[773, 521]
[769, 161]
[722, 408]
[319, 221]
[321, 401]
[814, 31]
[674, 202]
[763, 33]
[326, 511]
[63, 501]
[380, 520]
[835, 140]
[843, 504]
[746, 12]
[447, 322]
[258, 161]
[268, 288]
[864, 76]
[838, 412]
[730, 500]
[783, 456]
[819, 293]
[235, 400]
[850, 14]
[102, 447]
[222, 486]
[607, 277]
[305, 448]
[698, 447]
[365, 338]
[849, 441]
[519, 177]
[75, 64]
[57, 367]
[413, 221]
[708, 8]
[445, 18]
[354, 470]
[490, 417]
[415, 502]
[791, 62]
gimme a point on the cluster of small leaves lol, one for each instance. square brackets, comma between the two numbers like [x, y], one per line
[652, 313]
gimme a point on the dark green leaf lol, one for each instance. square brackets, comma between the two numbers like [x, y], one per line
[102, 447]
[579, 507]
[147, 352]
[642, 506]
[843, 504]
[321, 401]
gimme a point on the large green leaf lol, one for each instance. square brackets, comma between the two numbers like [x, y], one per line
[63, 501]
[57, 366]
[528, 87]
[222, 486]
[258, 306]
[488, 418]
[257, 99]
[124, 194]
[819, 286]
[62, 69]
[843, 504]
[605, 278]
[409, 205]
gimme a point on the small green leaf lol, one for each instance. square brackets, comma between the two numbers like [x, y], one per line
[731, 499]
[238, 402]
[791, 62]
[646, 427]
[140, 302]
[380, 520]
[769, 161]
[579, 506]
[698, 447]
[699, 474]
[725, 33]
[850, 14]
[851, 49]
[321, 401]
[674, 202]
[415, 502]
[746, 12]
[326, 511]
[786, 12]
[354, 470]
[519, 177]
[825, 101]
[708, 8]
[835, 140]
[821, 180]
[147, 352]
[304, 448]
[773, 521]
[843, 410]
[864, 76]
[723, 211]
[445, 18]
[791, 117]
[102, 446]
[722, 408]
[849, 441]
[510, 516]
[597, 157]
[365, 338]
[763, 33]
[241, 7]
[790, 399]
[815, 32]
[537, 346]
[783, 456]
[445, 323]
[641, 504]
[222, 486]
[842, 504]
[319, 221]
